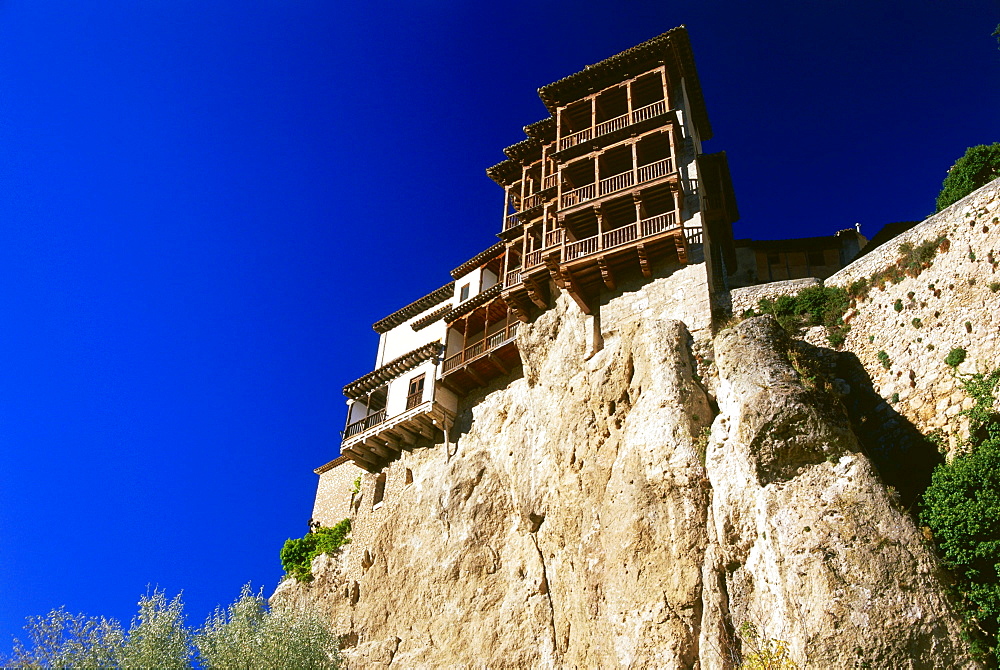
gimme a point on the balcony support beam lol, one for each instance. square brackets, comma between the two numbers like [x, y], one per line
[576, 292]
[644, 260]
[535, 293]
[606, 274]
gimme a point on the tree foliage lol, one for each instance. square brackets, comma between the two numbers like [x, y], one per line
[979, 166]
[246, 635]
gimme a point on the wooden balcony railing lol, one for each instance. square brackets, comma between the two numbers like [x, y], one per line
[576, 138]
[364, 424]
[414, 400]
[481, 347]
[618, 182]
[554, 238]
[532, 259]
[578, 195]
[511, 221]
[532, 201]
[513, 278]
[654, 225]
[655, 170]
[550, 181]
[611, 125]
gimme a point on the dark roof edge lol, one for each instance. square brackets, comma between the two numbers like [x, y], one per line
[474, 301]
[339, 460]
[477, 260]
[414, 308]
[397, 366]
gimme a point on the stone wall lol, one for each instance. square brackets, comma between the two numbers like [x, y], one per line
[955, 303]
[333, 493]
[747, 297]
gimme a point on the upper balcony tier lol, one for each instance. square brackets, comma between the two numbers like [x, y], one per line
[635, 117]
[672, 48]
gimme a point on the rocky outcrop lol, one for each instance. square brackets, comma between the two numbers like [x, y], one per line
[576, 519]
[805, 542]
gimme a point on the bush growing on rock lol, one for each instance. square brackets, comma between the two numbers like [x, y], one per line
[297, 555]
[962, 509]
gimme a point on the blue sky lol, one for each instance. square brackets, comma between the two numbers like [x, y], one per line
[205, 205]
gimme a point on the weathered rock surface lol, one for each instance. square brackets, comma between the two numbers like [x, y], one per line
[806, 542]
[574, 524]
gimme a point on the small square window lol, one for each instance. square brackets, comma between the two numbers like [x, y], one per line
[464, 294]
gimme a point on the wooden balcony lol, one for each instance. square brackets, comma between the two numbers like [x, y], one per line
[484, 346]
[551, 181]
[364, 424]
[618, 182]
[513, 278]
[511, 221]
[611, 125]
[376, 445]
[482, 361]
[618, 237]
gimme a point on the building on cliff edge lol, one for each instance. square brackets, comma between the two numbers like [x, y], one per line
[610, 190]
[612, 186]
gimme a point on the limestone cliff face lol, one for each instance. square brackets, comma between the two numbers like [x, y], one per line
[576, 520]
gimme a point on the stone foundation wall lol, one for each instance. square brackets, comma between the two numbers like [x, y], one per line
[333, 493]
[955, 303]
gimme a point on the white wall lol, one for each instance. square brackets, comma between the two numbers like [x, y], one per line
[398, 387]
[403, 339]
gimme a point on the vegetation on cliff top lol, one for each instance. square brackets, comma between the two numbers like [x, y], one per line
[977, 167]
[297, 555]
[245, 635]
[962, 509]
[814, 306]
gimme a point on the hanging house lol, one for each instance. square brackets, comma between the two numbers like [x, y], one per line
[612, 183]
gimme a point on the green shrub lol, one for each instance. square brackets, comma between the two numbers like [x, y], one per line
[917, 322]
[883, 358]
[898, 305]
[814, 306]
[297, 555]
[962, 509]
[955, 357]
[977, 167]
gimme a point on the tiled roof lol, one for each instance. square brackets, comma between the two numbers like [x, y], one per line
[357, 389]
[478, 260]
[473, 302]
[414, 308]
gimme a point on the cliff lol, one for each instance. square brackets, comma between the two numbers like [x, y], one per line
[636, 506]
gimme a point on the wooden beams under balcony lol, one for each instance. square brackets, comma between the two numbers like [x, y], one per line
[382, 443]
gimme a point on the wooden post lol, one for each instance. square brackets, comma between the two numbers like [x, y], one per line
[628, 99]
[635, 164]
[593, 114]
[506, 201]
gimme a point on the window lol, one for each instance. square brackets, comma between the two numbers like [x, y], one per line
[464, 294]
[415, 394]
[379, 491]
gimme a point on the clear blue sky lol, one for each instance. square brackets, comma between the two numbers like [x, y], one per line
[205, 205]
